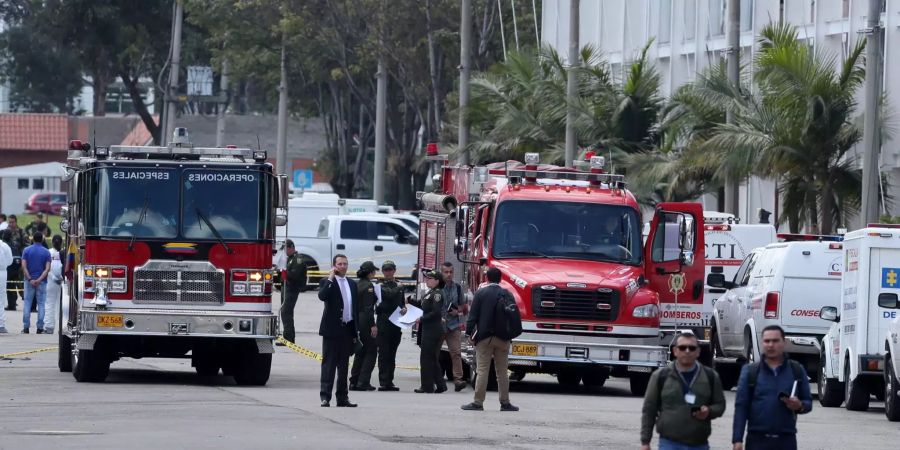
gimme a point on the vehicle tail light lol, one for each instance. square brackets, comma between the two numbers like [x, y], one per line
[239, 275]
[112, 278]
[771, 308]
[118, 272]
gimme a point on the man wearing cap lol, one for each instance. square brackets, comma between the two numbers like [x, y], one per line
[364, 360]
[294, 282]
[388, 334]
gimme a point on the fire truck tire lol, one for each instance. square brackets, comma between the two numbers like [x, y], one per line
[65, 353]
[891, 390]
[857, 396]
[594, 378]
[206, 368]
[90, 366]
[568, 378]
[638, 383]
[254, 369]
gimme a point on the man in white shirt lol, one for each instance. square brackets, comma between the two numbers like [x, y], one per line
[6, 258]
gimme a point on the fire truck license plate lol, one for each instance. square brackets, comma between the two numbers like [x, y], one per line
[525, 350]
[109, 320]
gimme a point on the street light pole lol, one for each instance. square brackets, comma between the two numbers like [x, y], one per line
[733, 66]
[572, 81]
[281, 145]
[465, 44]
[171, 101]
[220, 122]
[871, 136]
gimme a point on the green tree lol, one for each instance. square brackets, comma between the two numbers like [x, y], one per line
[43, 76]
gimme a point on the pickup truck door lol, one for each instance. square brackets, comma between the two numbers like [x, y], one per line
[730, 309]
[352, 238]
[396, 243]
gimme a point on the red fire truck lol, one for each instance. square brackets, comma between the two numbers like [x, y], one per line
[170, 256]
[569, 245]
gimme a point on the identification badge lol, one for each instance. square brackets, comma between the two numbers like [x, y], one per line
[690, 398]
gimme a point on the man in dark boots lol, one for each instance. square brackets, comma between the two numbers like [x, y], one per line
[388, 334]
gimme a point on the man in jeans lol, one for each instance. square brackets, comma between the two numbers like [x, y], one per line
[453, 306]
[682, 399]
[480, 330]
[36, 267]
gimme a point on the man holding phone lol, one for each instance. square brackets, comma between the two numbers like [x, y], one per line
[770, 394]
[682, 399]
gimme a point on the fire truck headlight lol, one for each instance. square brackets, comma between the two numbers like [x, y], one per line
[646, 311]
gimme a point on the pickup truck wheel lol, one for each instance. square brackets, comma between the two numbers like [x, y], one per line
[568, 378]
[831, 391]
[64, 360]
[254, 369]
[638, 383]
[90, 366]
[857, 397]
[891, 390]
[749, 352]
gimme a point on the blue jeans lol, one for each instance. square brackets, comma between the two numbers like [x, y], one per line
[665, 444]
[32, 294]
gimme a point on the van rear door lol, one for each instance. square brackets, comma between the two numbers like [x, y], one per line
[885, 280]
[812, 279]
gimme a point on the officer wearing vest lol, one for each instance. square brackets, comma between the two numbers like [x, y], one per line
[388, 334]
[294, 282]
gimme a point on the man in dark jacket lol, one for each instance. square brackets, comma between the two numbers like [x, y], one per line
[388, 334]
[682, 399]
[17, 241]
[480, 329]
[294, 281]
[364, 360]
[338, 330]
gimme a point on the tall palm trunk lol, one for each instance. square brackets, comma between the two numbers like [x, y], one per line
[826, 211]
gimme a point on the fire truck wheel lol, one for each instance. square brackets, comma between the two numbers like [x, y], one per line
[568, 378]
[638, 382]
[254, 369]
[89, 366]
[594, 378]
[857, 396]
[206, 368]
[891, 390]
[64, 361]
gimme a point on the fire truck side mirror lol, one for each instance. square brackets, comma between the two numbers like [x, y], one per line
[64, 219]
[280, 220]
[283, 191]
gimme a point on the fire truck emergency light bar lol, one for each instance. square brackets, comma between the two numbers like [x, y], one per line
[228, 152]
[611, 179]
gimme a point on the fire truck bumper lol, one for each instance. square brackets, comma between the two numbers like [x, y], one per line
[219, 324]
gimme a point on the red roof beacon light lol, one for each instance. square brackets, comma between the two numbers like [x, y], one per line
[431, 149]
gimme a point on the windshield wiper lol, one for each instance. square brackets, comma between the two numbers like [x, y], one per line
[140, 220]
[214, 230]
[524, 253]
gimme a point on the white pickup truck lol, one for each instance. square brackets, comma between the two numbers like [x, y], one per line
[363, 237]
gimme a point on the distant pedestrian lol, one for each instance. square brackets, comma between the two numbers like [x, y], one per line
[36, 268]
[769, 396]
[54, 285]
[480, 327]
[682, 399]
[389, 335]
[294, 281]
[454, 303]
[17, 241]
[431, 329]
[367, 353]
[6, 259]
[3, 223]
[338, 330]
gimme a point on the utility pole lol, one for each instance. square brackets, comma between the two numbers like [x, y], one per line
[465, 44]
[572, 82]
[220, 122]
[171, 101]
[281, 144]
[380, 130]
[732, 184]
[871, 136]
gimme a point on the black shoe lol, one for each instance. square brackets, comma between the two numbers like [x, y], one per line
[10, 309]
[25, 331]
[367, 387]
[441, 390]
[472, 407]
[508, 407]
[354, 387]
[422, 391]
[346, 404]
[459, 386]
[388, 388]
[325, 404]
[40, 331]
[279, 343]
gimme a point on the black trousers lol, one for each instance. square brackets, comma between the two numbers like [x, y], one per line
[429, 360]
[389, 336]
[12, 278]
[762, 441]
[335, 358]
[364, 360]
[288, 302]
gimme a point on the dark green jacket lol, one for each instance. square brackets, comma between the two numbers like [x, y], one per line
[432, 304]
[391, 299]
[667, 410]
[296, 272]
[367, 301]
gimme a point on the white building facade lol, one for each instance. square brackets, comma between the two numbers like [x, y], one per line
[689, 35]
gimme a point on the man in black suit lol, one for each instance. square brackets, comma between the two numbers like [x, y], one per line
[338, 330]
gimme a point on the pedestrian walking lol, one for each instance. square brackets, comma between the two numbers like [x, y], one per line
[682, 399]
[36, 268]
[294, 281]
[338, 330]
[17, 241]
[366, 354]
[481, 329]
[54, 285]
[770, 395]
[389, 335]
[431, 329]
[454, 303]
[6, 259]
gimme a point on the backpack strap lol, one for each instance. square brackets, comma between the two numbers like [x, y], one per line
[753, 373]
[661, 382]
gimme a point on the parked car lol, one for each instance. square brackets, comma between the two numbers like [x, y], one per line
[46, 202]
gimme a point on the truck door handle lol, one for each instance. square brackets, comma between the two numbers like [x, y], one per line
[340, 246]
[378, 248]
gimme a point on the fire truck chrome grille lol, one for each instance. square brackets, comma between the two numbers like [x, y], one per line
[179, 286]
[582, 304]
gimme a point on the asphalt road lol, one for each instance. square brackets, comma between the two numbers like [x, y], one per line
[161, 403]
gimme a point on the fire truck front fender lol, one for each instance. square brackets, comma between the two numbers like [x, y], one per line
[160, 322]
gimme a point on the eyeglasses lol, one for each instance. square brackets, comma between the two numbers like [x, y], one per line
[687, 348]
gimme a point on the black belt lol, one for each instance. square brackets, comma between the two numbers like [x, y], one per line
[770, 435]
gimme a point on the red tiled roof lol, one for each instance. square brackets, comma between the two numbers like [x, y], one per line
[34, 132]
[139, 135]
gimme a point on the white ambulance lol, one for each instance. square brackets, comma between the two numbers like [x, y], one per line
[854, 348]
[892, 359]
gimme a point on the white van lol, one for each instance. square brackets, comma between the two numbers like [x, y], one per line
[783, 284]
[854, 349]
[892, 359]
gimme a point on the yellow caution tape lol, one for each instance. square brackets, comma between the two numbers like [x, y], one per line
[13, 355]
[318, 356]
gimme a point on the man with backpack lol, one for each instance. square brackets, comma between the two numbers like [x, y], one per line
[682, 400]
[770, 394]
[493, 322]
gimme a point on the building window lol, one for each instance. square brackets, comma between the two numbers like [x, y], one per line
[37, 184]
[690, 19]
[716, 17]
[845, 10]
[746, 15]
[665, 21]
[23, 183]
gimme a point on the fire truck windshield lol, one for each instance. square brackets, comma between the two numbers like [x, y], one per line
[230, 203]
[544, 229]
[132, 202]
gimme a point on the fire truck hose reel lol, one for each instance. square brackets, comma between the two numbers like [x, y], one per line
[438, 202]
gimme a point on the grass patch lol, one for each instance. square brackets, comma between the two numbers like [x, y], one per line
[52, 222]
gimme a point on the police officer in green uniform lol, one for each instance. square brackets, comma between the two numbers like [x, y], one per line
[294, 282]
[432, 328]
[388, 334]
[364, 360]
